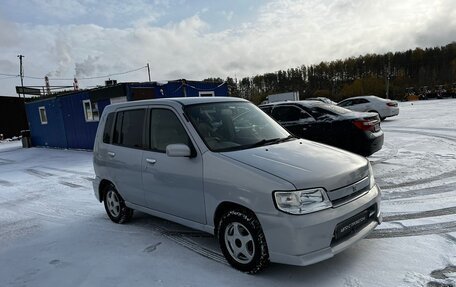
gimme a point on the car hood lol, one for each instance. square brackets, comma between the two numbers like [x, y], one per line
[305, 164]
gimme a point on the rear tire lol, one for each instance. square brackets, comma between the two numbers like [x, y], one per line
[243, 242]
[115, 206]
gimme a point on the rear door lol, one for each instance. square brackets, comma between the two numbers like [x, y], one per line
[124, 154]
[172, 185]
[294, 119]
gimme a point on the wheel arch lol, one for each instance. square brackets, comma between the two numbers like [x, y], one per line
[226, 206]
[102, 188]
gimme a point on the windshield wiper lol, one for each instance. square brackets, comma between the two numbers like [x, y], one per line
[272, 141]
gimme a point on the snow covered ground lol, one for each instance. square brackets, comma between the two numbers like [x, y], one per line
[54, 233]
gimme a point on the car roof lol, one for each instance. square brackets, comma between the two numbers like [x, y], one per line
[363, 97]
[176, 101]
[306, 103]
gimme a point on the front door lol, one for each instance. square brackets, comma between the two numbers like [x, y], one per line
[172, 185]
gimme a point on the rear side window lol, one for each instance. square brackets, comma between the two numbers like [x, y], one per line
[129, 128]
[108, 128]
[360, 101]
[166, 129]
[289, 114]
[345, 103]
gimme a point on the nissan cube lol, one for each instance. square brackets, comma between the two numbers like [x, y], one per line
[222, 166]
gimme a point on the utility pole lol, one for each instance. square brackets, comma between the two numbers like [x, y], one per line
[21, 73]
[388, 72]
[148, 70]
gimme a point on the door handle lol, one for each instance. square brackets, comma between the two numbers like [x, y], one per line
[111, 154]
[151, 161]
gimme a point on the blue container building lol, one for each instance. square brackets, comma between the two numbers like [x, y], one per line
[70, 120]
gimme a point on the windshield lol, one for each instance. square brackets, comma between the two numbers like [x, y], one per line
[234, 126]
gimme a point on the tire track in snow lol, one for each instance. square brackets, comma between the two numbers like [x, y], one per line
[183, 238]
[406, 131]
[38, 173]
[393, 152]
[68, 171]
[423, 128]
[423, 214]
[6, 161]
[6, 183]
[419, 192]
[43, 175]
[70, 184]
[426, 229]
[422, 180]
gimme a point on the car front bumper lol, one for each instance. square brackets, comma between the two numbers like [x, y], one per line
[307, 239]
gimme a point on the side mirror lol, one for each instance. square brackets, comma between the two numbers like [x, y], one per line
[178, 150]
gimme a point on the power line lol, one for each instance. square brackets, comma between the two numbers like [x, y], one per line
[88, 78]
[12, 75]
[9, 77]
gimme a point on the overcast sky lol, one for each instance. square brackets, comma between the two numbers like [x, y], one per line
[197, 39]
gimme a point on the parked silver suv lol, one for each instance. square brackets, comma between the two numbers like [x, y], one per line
[223, 166]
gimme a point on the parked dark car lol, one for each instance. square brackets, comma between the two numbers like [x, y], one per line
[329, 124]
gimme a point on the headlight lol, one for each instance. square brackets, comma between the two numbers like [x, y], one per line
[371, 177]
[302, 201]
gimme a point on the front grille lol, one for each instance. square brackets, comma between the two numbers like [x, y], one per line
[347, 193]
[354, 224]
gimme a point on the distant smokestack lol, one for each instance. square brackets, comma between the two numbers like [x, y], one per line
[48, 87]
[75, 84]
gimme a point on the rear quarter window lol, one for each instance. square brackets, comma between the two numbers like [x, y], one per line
[107, 132]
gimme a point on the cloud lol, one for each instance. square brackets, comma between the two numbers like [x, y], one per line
[228, 15]
[441, 28]
[285, 34]
[9, 36]
[60, 9]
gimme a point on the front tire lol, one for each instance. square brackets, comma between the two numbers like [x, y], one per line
[115, 206]
[242, 241]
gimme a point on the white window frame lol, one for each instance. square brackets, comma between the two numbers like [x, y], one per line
[88, 112]
[201, 93]
[44, 120]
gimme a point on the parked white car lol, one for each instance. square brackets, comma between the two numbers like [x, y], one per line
[383, 107]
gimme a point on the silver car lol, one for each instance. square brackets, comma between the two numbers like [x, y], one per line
[383, 107]
[223, 166]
